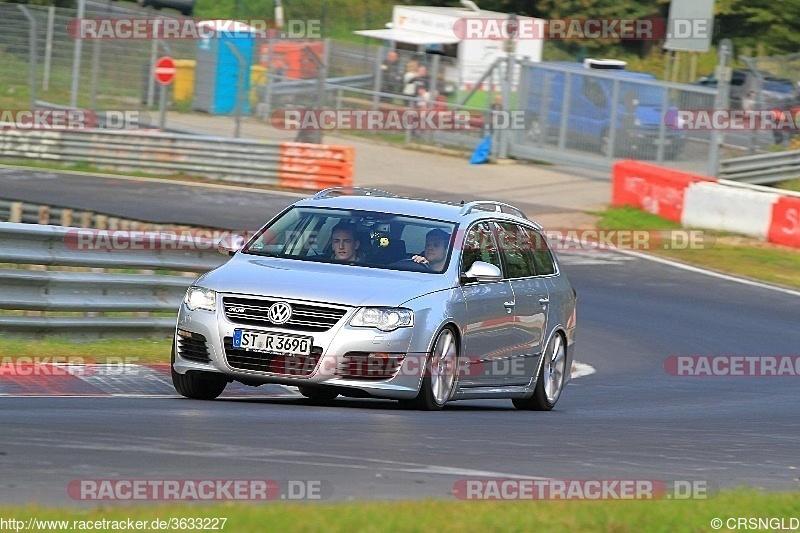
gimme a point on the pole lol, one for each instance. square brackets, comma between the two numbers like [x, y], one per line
[76, 59]
[48, 47]
[31, 54]
[723, 76]
[162, 107]
[237, 112]
[95, 69]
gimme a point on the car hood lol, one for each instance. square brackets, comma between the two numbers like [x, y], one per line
[320, 282]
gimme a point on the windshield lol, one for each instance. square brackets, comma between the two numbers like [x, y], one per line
[646, 95]
[361, 238]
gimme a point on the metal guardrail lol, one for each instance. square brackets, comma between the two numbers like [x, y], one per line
[283, 164]
[762, 168]
[90, 292]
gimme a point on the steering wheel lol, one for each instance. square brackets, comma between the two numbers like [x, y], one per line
[418, 267]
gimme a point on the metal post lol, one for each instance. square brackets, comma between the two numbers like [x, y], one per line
[378, 84]
[723, 76]
[48, 47]
[434, 74]
[31, 54]
[162, 106]
[564, 124]
[267, 104]
[662, 127]
[505, 91]
[151, 81]
[612, 135]
[544, 109]
[237, 112]
[76, 59]
[523, 87]
[95, 69]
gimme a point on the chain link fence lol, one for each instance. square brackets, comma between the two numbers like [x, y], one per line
[572, 115]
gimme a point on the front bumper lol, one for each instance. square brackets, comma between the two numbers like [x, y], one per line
[340, 356]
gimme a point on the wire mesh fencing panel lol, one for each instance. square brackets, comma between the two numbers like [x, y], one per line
[575, 114]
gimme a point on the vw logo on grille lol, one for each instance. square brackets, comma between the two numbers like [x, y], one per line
[279, 313]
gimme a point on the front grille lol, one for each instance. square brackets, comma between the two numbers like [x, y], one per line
[362, 365]
[292, 365]
[305, 317]
[192, 346]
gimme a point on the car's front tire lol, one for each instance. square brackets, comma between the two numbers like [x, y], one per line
[197, 385]
[439, 374]
[551, 378]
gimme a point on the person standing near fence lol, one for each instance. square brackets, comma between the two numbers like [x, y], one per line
[391, 76]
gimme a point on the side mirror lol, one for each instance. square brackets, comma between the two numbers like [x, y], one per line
[483, 272]
[231, 244]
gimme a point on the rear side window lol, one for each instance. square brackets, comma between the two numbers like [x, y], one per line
[516, 249]
[542, 256]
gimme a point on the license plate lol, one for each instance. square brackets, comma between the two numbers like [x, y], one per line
[271, 342]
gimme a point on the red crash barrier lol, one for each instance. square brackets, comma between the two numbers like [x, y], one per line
[784, 226]
[652, 188]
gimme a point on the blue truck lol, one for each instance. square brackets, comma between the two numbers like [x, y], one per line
[639, 115]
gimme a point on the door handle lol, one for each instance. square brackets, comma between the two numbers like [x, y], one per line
[544, 300]
[509, 306]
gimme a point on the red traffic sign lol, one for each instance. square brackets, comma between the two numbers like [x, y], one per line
[165, 70]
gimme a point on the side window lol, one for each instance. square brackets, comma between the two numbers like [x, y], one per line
[515, 245]
[593, 92]
[479, 245]
[542, 256]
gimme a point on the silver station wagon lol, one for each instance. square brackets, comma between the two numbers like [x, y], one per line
[361, 293]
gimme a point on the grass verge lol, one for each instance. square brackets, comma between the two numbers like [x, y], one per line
[451, 515]
[723, 252]
[131, 351]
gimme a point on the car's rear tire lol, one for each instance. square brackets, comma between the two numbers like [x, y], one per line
[551, 378]
[197, 385]
[318, 394]
[439, 375]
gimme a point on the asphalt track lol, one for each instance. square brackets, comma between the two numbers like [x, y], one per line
[629, 420]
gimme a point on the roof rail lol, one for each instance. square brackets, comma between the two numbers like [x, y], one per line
[333, 192]
[498, 207]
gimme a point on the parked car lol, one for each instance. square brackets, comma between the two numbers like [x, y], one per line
[776, 92]
[590, 111]
[437, 302]
[186, 7]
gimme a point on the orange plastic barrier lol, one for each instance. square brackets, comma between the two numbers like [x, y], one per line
[652, 188]
[315, 166]
[289, 58]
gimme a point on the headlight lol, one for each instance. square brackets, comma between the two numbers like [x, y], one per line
[200, 298]
[383, 318]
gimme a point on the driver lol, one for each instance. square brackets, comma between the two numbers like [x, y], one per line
[435, 254]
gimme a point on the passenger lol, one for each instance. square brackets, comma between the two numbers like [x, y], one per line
[309, 248]
[344, 242]
[435, 254]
